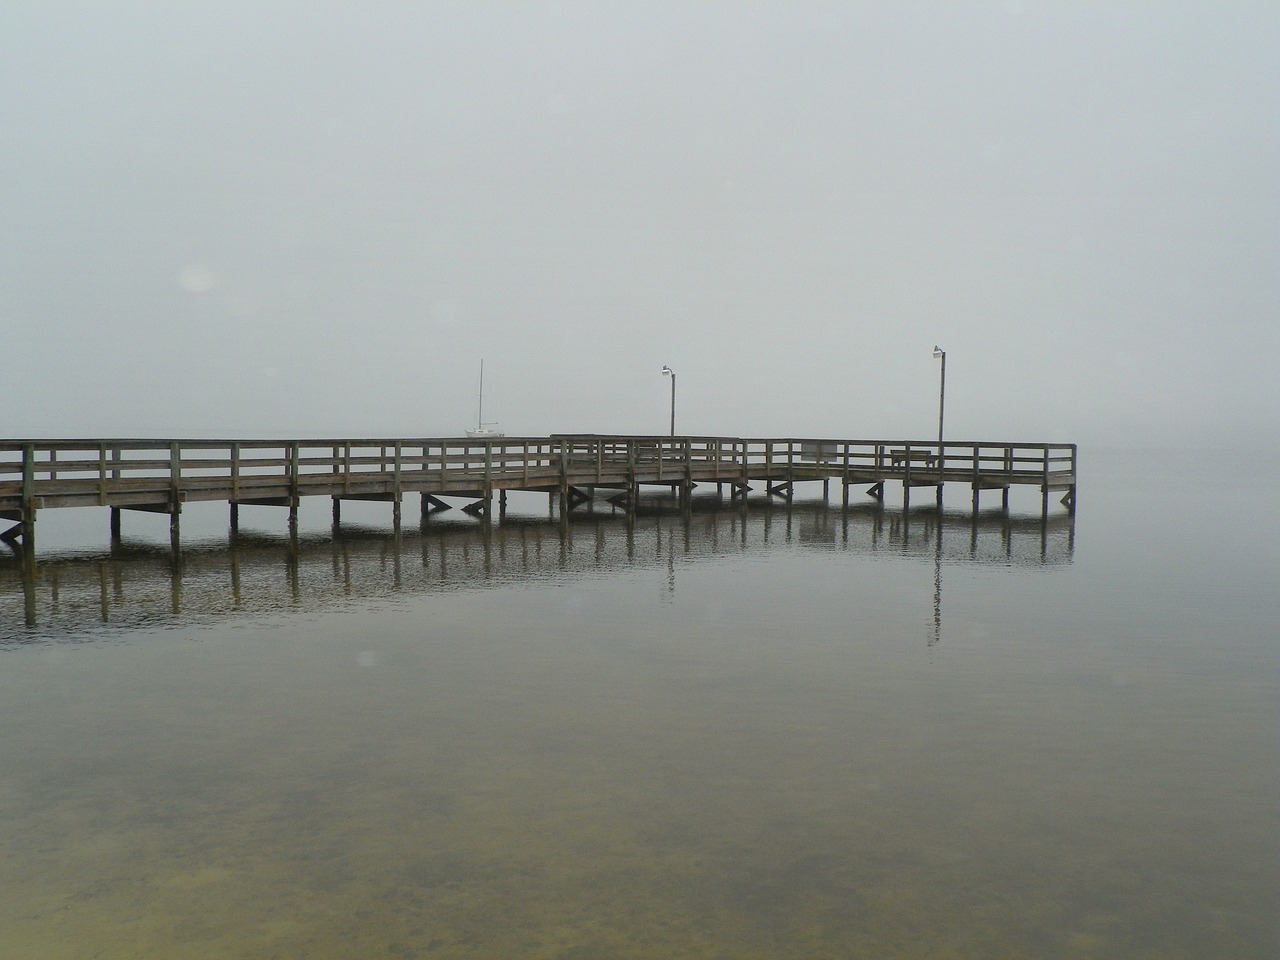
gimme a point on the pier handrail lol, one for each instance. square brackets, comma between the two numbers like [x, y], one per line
[32, 462]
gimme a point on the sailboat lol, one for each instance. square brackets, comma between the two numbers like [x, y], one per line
[483, 430]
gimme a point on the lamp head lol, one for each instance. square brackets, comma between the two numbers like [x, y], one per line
[938, 351]
[667, 371]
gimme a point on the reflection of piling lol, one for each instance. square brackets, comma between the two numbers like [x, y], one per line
[257, 572]
[29, 598]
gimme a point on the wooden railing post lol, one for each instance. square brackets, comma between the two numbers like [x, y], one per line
[293, 488]
[488, 470]
[335, 469]
[1044, 483]
[844, 476]
[175, 469]
[28, 480]
[977, 478]
[115, 511]
[175, 493]
[395, 487]
[102, 474]
[234, 511]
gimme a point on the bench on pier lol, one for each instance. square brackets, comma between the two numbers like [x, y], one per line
[898, 457]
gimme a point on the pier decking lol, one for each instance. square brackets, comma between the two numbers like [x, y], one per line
[159, 476]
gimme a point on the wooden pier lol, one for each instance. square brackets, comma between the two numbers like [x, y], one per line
[159, 476]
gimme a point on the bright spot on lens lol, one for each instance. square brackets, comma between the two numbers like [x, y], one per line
[197, 278]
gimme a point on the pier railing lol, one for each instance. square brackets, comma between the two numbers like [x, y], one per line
[990, 463]
[97, 463]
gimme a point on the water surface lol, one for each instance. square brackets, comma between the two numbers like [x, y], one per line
[779, 732]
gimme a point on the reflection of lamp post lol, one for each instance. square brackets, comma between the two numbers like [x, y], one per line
[937, 582]
[941, 354]
[668, 372]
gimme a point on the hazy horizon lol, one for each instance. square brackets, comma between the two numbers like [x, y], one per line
[288, 219]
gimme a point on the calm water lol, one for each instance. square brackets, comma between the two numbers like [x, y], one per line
[772, 733]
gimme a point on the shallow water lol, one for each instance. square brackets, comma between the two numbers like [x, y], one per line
[772, 733]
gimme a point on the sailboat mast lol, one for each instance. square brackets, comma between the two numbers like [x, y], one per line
[480, 403]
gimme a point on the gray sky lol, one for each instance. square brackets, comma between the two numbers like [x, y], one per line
[303, 218]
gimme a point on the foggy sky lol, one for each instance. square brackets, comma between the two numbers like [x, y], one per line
[235, 219]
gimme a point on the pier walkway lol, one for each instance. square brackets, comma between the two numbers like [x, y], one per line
[159, 476]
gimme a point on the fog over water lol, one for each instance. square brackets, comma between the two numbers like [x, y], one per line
[316, 218]
[767, 728]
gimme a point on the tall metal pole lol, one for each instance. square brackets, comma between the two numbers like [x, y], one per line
[673, 404]
[668, 372]
[942, 393]
[942, 400]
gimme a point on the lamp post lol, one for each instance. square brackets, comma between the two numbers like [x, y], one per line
[668, 372]
[941, 354]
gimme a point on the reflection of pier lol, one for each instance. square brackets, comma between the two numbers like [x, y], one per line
[960, 537]
[140, 587]
[159, 476]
